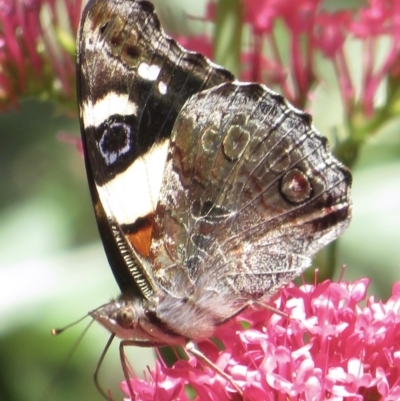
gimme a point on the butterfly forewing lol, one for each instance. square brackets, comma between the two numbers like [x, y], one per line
[132, 83]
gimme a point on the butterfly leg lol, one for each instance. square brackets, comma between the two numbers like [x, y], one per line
[96, 372]
[191, 348]
[124, 363]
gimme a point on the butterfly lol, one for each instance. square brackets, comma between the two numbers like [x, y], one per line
[210, 194]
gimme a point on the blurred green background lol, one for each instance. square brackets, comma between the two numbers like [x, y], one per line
[53, 269]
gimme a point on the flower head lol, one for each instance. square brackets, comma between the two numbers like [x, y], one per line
[36, 48]
[332, 347]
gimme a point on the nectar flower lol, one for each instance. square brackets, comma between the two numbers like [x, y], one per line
[336, 345]
[37, 49]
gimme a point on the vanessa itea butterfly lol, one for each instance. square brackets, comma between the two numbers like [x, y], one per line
[210, 194]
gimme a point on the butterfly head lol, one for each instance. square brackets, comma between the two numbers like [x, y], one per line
[120, 317]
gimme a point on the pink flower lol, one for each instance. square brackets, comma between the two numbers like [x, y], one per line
[311, 31]
[31, 57]
[331, 32]
[36, 61]
[331, 348]
[375, 21]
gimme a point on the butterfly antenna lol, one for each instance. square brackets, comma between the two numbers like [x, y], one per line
[56, 332]
[96, 372]
[55, 379]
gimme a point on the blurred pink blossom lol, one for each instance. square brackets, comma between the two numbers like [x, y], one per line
[31, 59]
[312, 31]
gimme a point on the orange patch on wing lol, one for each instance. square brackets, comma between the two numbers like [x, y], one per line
[141, 240]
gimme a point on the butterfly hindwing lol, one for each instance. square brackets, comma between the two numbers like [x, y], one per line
[250, 193]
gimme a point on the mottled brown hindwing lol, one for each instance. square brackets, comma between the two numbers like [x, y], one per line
[251, 192]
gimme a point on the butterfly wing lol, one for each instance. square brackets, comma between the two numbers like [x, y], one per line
[132, 82]
[251, 192]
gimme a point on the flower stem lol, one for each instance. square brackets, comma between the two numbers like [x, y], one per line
[228, 34]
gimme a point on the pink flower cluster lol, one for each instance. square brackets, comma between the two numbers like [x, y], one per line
[28, 50]
[311, 31]
[30, 56]
[336, 345]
